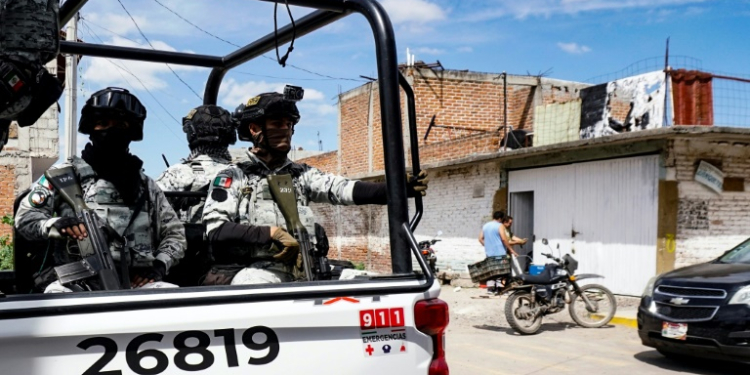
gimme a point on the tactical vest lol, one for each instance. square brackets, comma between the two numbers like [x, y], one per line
[203, 172]
[29, 31]
[257, 206]
[102, 197]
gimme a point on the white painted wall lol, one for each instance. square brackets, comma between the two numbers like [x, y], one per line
[612, 203]
[458, 202]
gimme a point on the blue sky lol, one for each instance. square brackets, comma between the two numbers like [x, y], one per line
[570, 39]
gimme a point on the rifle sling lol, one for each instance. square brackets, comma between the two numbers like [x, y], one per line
[125, 256]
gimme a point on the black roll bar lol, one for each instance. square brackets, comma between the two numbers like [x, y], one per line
[304, 25]
[414, 142]
[388, 82]
[69, 9]
[140, 54]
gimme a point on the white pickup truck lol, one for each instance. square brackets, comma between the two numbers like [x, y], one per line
[388, 324]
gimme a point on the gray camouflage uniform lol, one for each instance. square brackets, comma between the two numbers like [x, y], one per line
[247, 200]
[29, 35]
[192, 175]
[155, 234]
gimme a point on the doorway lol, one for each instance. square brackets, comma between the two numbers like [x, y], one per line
[522, 211]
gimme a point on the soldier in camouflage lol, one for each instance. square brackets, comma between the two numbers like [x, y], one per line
[115, 187]
[244, 224]
[29, 38]
[210, 130]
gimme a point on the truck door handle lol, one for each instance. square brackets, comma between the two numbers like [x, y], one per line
[573, 233]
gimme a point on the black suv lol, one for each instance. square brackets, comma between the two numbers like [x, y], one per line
[701, 310]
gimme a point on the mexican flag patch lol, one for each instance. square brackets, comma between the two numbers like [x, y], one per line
[43, 182]
[223, 182]
[13, 81]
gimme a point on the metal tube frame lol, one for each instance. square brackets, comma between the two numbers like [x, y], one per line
[388, 82]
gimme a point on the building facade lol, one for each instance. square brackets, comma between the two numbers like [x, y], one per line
[621, 197]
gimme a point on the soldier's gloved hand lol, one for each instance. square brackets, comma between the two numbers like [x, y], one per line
[156, 273]
[71, 227]
[287, 243]
[417, 185]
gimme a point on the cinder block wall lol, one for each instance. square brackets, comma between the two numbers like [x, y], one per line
[708, 223]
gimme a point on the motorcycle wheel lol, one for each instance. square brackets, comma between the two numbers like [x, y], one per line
[604, 304]
[517, 309]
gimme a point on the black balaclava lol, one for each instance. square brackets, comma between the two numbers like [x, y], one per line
[109, 156]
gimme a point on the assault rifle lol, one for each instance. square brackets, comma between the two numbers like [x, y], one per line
[314, 262]
[94, 249]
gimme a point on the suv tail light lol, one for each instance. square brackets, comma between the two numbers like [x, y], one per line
[431, 318]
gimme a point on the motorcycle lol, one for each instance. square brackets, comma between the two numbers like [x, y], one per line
[428, 253]
[590, 306]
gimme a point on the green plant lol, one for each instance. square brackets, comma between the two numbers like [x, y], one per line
[359, 266]
[6, 246]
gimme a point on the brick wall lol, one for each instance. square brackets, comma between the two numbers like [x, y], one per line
[354, 136]
[7, 194]
[456, 98]
[459, 148]
[327, 162]
[709, 223]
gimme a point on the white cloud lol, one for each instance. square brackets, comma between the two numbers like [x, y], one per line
[573, 48]
[417, 11]
[120, 24]
[232, 93]
[318, 109]
[547, 8]
[694, 11]
[465, 49]
[104, 72]
[430, 51]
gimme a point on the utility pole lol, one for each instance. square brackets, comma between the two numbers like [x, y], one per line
[71, 84]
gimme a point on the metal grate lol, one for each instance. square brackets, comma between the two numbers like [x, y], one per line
[691, 292]
[685, 313]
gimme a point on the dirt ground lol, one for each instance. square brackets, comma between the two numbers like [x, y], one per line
[468, 309]
[479, 341]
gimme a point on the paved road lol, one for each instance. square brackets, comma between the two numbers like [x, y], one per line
[476, 345]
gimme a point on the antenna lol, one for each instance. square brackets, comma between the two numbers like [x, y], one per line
[320, 143]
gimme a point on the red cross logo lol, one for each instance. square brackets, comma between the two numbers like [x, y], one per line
[369, 349]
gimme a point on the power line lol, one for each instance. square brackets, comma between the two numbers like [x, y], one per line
[121, 68]
[152, 47]
[114, 33]
[264, 56]
[194, 25]
[286, 78]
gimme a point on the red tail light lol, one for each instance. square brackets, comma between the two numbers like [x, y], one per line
[431, 318]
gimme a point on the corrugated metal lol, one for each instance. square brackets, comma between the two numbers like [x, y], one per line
[557, 123]
[693, 97]
[612, 205]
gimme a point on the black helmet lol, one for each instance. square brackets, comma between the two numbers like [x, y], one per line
[113, 103]
[209, 124]
[262, 107]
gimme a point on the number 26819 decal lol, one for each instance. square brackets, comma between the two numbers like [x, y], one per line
[134, 355]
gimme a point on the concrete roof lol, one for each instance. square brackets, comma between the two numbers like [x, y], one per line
[632, 142]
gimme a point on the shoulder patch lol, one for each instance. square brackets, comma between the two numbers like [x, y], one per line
[223, 181]
[219, 195]
[44, 183]
[38, 197]
[253, 101]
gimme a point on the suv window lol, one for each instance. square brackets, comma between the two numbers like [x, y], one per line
[740, 254]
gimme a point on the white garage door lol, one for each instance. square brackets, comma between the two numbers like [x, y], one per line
[603, 213]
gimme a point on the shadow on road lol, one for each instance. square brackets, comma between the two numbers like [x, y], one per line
[692, 365]
[546, 327]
